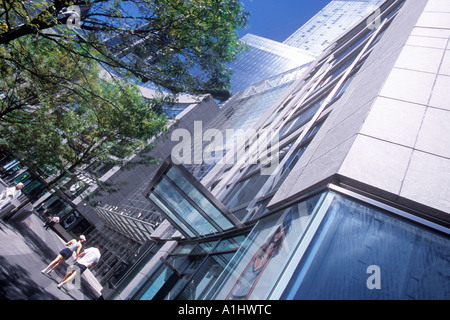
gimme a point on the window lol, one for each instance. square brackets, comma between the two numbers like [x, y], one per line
[354, 236]
[191, 270]
[298, 120]
[245, 190]
[255, 266]
[204, 203]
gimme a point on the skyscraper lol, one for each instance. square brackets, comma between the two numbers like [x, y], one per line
[359, 192]
[266, 58]
[263, 59]
[329, 24]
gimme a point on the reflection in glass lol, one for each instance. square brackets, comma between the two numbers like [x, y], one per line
[200, 284]
[199, 199]
[249, 278]
[170, 215]
[158, 279]
[251, 272]
[354, 236]
[183, 208]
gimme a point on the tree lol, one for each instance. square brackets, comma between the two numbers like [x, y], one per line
[57, 108]
[90, 119]
[178, 45]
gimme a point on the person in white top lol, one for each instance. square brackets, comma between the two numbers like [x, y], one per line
[87, 259]
[72, 246]
[10, 194]
[51, 222]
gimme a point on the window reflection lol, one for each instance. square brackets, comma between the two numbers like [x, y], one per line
[334, 265]
[198, 198]
[187, 204]
[183, 208]
[255, 266]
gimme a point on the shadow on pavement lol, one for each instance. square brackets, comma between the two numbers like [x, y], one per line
[15, 284]
[21, 276]
[34, 242]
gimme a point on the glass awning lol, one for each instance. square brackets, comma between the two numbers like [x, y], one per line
[187, 204]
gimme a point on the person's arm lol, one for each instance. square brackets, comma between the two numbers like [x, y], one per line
[9, 192]
[70, 242]
[79, 256]
[78, 251]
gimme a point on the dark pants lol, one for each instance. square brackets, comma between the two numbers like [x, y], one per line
[49, 224]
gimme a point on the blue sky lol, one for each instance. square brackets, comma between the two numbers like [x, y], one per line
[278, 19]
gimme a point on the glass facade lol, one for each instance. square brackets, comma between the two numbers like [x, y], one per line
[264, 59]
[305, 252]
[330, 23]
[297, 121]
[136, 229]
[189, 272]
[412, 259]
[322, 243]
[242, 113]
[251, 273]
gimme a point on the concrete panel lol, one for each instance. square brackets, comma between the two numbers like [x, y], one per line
[434, 135]
[420, 59]
[429, 42]
[439, 20]
[440, 97]
[378, 163]
[410, 86]
[430, 32]
[445, 66]
[394, 121]
[315, 172]
[341, 131]
[427, 180]
[438, 6]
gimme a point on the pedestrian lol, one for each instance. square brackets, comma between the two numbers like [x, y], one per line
[73, 245]
[43, 209]
[87, 259]
[10, 194]
[51, 222]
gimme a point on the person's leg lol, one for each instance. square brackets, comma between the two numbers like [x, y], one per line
[58, 264]
[49, 225]
[70, 277]
[57, 259]
[75, 270]
[66, 279]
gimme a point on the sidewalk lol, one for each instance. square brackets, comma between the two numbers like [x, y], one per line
[25, 249]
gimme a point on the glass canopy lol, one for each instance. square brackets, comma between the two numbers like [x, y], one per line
[187, 204]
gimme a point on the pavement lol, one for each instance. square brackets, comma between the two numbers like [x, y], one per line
[26, 248]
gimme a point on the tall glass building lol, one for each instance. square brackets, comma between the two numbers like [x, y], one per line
[263, 59]
[348, 201]
[330, 23]
[345, 212]
[266, 58]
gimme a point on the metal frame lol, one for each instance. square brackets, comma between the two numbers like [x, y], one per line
[161, 174]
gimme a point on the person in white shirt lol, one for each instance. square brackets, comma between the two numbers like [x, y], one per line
[87, 259]
[10, 194]
[51, 222]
